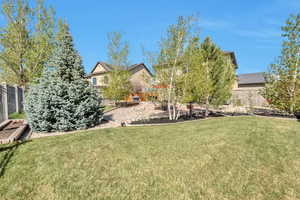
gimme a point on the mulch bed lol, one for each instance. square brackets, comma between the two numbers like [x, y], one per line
[199, 115]
[165, 120]
[8, 130]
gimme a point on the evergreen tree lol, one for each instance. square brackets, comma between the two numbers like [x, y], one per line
[65, 58]
[283, 79]
[63, 99]
[210, 75]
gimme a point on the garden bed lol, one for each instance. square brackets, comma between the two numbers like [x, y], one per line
[199, 115]
[166, 120]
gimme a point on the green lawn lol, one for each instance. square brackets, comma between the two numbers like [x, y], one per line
[17, 116]
[108, 108]
[221, 158]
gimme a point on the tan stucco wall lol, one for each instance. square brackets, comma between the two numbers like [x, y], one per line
[235, 84]
[100, 79]
[139, 80]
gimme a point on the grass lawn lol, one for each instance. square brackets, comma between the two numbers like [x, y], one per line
[17, 116]
[221, 158]
[108, 108]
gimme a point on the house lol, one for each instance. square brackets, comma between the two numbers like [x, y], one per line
[252, 80]
[140, 76]
[246, 91]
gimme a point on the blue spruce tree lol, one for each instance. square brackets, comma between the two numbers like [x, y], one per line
[62, 99]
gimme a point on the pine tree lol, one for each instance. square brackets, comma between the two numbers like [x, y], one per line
[210, 75]
[63, 99]
[283, 79]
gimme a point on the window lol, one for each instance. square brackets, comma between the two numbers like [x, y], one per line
[105, 80]
[94, 81]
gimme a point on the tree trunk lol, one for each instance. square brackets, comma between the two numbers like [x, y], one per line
[206, 107]
[180, 39]
[191, 109]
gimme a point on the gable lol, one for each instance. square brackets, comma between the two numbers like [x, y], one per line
[140, 67]
[98, 69]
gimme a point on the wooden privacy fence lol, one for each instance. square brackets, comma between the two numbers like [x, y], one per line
[11, 100]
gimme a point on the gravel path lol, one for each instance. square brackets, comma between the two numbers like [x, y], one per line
[115, 117]
[144, 110]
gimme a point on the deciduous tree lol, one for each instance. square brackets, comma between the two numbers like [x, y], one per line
[283, 79]
[119, 86]
[26, 41]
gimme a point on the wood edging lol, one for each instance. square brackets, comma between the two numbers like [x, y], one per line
[5, 123]
[16, 134]
[208, 118]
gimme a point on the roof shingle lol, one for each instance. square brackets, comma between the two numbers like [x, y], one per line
[252, 78]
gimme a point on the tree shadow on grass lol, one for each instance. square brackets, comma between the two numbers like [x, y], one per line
[9, 153]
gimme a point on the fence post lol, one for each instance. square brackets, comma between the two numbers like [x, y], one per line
[23, 98]
[17, 98]
[5, 102]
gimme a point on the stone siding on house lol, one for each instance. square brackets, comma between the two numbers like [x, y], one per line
[248, 96]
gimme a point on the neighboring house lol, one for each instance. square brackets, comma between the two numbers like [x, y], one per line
[140, 77]
[246, 90]
[252, 80]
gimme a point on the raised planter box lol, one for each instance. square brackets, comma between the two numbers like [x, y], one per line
[12, 130]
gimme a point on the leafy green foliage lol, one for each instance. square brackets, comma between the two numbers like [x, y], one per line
[190, 71]
[283, 79]
[170, 64]
[220, 73]
[119, 86]
[63, 99]
[117, 50]
[17, 116]
[209, 75]
[26, 42]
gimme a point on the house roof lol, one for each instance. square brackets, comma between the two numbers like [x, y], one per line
[252, 78]
[137, 67]
[133, 68]
[106, 66]
[233, 58]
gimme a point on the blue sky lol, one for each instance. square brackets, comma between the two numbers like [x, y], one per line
[249, 28]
